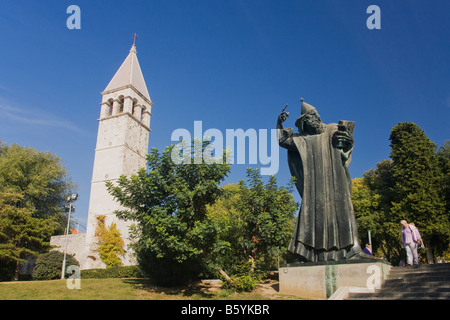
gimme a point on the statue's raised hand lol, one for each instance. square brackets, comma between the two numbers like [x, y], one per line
[282, 117]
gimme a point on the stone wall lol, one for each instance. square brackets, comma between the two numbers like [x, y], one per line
[75, 244]
[321, 281]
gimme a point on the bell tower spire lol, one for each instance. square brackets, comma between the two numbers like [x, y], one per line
[122, 146]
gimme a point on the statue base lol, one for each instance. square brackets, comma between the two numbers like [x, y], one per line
[322, 279]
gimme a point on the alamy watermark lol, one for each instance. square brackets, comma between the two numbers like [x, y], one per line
[374, 21]
[74, 280]
[374, 280]
[74, 20]
[242, 147]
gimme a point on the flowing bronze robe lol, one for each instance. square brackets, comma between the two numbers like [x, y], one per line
[326, 227]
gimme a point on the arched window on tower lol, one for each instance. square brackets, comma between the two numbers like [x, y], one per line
[133, 106]
[110, 107]
[137, 112]
[142, 113]
[120, 99]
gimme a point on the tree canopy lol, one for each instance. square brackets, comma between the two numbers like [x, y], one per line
[186, 224]
[417, 179]
[39, 177]
[413, 186]
[33, 186]
[254, 221]
[168, 203]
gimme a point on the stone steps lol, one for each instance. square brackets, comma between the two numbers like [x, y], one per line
[403, 286]
[427, 282]
[400, 296]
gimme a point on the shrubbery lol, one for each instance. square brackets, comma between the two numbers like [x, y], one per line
[113, 272]
[167, 271]
[110, 243]
[245, 278]
[48, 265]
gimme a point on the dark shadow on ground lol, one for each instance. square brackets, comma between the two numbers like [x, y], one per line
[196, 288]
[276, 287]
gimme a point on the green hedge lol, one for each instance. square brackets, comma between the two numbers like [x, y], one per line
[113, 272]
[48, 265]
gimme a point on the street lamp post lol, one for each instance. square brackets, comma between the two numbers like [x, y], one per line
[73, 197]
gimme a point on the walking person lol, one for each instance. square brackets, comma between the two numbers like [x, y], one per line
[420, 241]
[410, 239]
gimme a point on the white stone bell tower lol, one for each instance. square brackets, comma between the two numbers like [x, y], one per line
[122, 145]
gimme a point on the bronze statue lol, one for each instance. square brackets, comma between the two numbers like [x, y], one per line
[318, 157]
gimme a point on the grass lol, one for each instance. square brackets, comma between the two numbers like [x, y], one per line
[91, 289]
[126, 289]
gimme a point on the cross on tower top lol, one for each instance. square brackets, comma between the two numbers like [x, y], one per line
[134, 39]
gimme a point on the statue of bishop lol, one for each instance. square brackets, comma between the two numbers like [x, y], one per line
[318, 157]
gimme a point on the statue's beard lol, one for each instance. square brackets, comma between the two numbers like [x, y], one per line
[314, 127]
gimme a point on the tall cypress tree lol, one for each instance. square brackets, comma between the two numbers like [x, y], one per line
[444, 160]
[417, 195]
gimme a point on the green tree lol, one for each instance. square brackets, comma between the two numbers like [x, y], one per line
[33, 186]
[268, 212]
[385, 225]
[168, 203]
[417, 192]
[366, 204]
[254, 222]
[40, 179]
[372, 196]
[21, 234]
[444, 162]
[229, 224]
[414, 186]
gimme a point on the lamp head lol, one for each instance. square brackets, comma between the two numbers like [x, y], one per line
[72, 197]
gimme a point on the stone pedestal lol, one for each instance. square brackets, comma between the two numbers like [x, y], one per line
[321, 280]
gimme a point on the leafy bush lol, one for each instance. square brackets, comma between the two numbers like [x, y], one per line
[110, 243]
[245, 279]
[245, 282]
[252, 219]
[167, 271]
[48, 265]
[113, 272]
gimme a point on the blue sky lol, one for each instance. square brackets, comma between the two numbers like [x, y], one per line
[231, 64]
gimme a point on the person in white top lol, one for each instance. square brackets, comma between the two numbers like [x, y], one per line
[411, 239]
